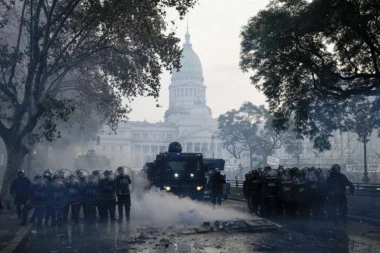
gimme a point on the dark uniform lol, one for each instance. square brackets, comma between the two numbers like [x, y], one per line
[48, 209]
[336, 193]
[123, 193]
[217, 181]
[269, 192]
[247, 191]
[74, 199]
[38, 198]
[20, 189]
[286, 193]
[255, 191]
[90, 198]
[107, 202]
[58, 196]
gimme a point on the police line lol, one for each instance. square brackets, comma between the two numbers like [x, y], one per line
[360, 188]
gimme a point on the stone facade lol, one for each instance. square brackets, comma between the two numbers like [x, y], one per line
[188, 120]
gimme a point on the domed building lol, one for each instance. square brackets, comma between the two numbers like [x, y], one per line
[188, 120]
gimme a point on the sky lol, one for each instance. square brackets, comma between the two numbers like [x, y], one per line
[214, 27]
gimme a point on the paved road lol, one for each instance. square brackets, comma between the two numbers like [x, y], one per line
[294, 236]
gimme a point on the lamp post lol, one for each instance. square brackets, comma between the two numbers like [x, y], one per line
[212, 146]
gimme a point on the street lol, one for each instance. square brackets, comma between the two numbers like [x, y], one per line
[189, 226]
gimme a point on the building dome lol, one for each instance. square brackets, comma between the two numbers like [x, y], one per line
[190, 62]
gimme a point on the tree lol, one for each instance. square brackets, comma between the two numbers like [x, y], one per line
[123, 45]
[306, 54]
[363, 117]
[249, 130]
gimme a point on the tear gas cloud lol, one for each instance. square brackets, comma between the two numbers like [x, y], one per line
[160, 207]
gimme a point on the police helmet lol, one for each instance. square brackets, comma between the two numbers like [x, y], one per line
[96, 173]
[48, 172]
[61, 174]
[335, 168]
[318, 171]
[57, 177]
[21, 173]
[121, 171]
[175, 147]
[37, 176]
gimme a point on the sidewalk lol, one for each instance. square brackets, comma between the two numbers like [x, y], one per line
[11, 234]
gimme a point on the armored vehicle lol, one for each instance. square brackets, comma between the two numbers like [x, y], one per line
[91, 161]
[181, 173]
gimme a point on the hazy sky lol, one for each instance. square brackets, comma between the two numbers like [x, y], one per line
[215, 27]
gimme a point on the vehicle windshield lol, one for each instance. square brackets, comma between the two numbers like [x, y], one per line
[188, 165]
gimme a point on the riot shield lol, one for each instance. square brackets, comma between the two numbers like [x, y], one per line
[58, 193]
[107, 185]
[39, 193]
[63, 173]
[126, 171]
[74, 190]
[91, 190]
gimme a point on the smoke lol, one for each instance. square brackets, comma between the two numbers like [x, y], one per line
[160, 207]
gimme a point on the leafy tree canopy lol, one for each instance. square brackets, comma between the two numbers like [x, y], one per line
[308, 56]
[249, 130]
[54, 53]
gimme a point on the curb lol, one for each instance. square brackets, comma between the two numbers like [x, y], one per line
[364, 220]
[20, 236]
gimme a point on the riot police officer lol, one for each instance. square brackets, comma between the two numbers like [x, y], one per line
[58, 199]
[20, 189]
[336, 193]
[255, 191]
[301, 194]
[74, 199]
[268, 193]
[38, 198]
[320, 201]
[217, 181]
[247, 191]
[90, 198]
[47, 176]
[107, 188]
[285, 193]
[123, 193]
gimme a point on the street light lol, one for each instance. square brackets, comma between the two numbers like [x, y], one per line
[212, 145]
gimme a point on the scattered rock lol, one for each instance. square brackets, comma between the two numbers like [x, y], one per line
[165, 242]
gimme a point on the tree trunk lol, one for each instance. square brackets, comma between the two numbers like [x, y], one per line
[15, 158]
[365, 176]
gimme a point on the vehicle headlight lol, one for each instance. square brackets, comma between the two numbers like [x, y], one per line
[167, 188]
[191, 175]
[199, 188]
[175, 174]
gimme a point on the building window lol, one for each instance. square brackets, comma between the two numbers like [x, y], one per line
[137, 148]
[154, 149]
[197, 147]
[162, 148]
[189, 147]
[121, 148]
[186, 92]
[191, 92]
[204, 147]
[145, 149]
[181, 92]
